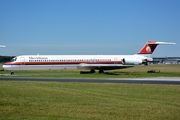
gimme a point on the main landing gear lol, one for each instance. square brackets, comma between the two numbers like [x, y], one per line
[101, 71]
[88, 72]
[91, 71]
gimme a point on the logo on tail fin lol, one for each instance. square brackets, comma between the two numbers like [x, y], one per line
[148, 48]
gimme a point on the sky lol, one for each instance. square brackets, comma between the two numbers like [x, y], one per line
[88, 27]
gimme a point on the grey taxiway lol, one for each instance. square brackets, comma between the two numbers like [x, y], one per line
[161, 80]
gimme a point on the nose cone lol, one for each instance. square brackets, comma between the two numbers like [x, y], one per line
[6, 66]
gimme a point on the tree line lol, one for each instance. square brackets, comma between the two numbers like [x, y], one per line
[6, 58]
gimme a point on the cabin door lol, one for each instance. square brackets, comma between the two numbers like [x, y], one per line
[115, 60]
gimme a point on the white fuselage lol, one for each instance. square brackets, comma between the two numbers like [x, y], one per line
[47, 62]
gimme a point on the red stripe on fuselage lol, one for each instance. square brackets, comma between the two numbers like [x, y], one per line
[63, 63]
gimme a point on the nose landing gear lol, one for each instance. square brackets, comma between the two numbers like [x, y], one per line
[12, 72]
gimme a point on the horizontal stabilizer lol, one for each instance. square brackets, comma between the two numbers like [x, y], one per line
[165, 43]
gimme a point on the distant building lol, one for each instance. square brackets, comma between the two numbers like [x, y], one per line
[166, 60]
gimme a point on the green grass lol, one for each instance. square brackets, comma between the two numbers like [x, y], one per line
[82, 101]
[172, 70]
[67, 101]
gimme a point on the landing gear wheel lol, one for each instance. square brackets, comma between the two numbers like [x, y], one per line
[92, 71]
[12, 72]
[101, 71]
[146, 63]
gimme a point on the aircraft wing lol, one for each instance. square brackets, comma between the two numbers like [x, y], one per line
[103, 66]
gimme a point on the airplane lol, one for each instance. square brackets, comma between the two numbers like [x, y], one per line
[2, 46]
[86, 62]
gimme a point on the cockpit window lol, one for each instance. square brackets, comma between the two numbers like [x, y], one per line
[14, 59]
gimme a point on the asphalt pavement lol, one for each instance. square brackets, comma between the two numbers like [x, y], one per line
[175, 81]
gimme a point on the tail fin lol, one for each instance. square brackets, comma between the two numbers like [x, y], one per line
[150, 46]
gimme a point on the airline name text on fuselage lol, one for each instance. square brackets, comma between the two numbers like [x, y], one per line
[38, 58]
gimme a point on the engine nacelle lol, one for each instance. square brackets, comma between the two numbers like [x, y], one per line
[150, 59]
[131, 61]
